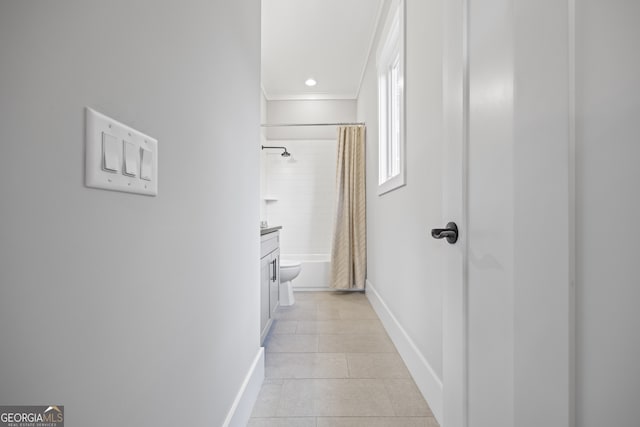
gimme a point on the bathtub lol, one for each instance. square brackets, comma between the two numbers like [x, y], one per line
[315, 271]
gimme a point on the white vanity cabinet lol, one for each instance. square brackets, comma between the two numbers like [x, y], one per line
[269, 280]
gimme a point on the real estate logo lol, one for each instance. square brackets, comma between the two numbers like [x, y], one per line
[32, 416]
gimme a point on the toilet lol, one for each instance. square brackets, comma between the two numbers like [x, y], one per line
[289, 270]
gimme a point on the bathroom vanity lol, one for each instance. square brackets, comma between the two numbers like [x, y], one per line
[269, 277]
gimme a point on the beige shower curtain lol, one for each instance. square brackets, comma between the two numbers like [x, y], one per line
[349, 248]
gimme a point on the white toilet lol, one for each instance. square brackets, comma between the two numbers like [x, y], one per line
[289, 270]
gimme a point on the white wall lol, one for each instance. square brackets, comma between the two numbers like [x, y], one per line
[115, 305]
[607, 211]
[404, 262]
[309, 111]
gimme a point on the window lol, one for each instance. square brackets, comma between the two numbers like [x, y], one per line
[390, 66]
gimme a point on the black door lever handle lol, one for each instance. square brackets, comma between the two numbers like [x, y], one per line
[450, 233]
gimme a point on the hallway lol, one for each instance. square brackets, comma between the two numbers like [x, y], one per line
[330, 363]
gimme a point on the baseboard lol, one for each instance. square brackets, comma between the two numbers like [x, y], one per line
[240, 411]
[426, 379]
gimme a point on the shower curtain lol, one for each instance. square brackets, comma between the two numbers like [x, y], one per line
[349, 248]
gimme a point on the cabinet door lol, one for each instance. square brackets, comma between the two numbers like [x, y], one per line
[274, 293]
[265, 289]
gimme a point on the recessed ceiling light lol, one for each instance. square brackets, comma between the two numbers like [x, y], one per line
[310, 82]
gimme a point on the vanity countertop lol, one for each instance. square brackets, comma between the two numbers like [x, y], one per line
[268, 230]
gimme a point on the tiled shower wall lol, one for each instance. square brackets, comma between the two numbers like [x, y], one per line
[304, 188]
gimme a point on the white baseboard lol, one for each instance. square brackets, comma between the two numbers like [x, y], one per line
[426, 379]
[240, 411]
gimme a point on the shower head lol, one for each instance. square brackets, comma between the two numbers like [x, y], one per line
[284, 154]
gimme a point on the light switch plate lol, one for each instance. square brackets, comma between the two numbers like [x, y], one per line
[96, 176]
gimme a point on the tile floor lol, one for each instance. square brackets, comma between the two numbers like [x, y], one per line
[330, 363]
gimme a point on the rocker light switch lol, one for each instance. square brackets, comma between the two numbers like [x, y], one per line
[130, 159]
[110, 153]
[146, 167]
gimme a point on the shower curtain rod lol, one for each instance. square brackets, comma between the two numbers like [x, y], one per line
[269, 125]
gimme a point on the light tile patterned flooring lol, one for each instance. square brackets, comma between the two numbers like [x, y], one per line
[330, 363]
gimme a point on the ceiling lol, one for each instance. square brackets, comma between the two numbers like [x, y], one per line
[328, 40]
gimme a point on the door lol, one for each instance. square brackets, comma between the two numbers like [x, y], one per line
[507, 329]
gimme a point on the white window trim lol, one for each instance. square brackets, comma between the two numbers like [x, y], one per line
[390, 49]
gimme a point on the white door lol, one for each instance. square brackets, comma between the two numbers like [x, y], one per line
[507, 302]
